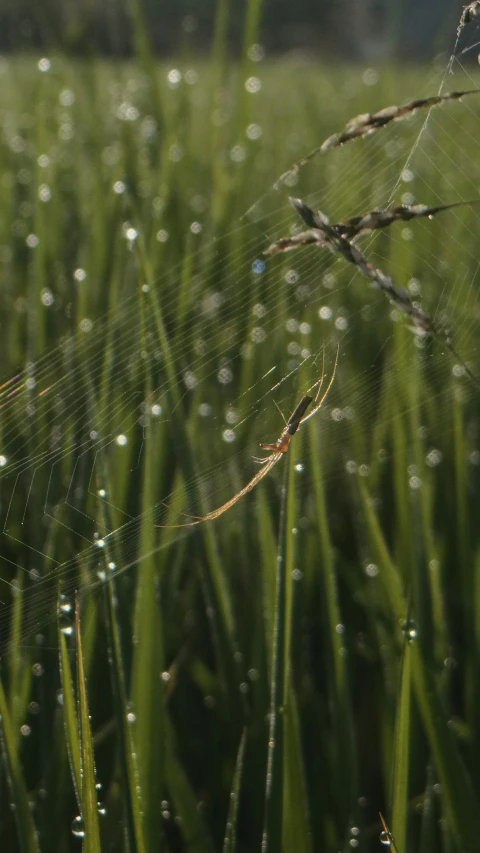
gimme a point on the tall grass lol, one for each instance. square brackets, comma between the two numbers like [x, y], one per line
[280, 675]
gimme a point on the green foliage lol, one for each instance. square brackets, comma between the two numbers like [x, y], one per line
[311, 657]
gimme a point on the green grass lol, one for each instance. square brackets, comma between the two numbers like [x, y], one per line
[247, 678]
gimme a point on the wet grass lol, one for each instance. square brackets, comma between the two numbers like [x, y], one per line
[311, 657]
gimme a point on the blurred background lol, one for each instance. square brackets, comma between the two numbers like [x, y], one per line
[347, 29]
[271, 680]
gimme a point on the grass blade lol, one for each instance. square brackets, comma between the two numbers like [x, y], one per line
[230, 840]
[91, 843]
[130, 786]
[345, 764]
[460, 800]
[70, 718]
[273, 818]
[402, 755]
[296, 829]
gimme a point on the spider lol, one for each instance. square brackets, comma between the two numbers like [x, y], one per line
[279, 448]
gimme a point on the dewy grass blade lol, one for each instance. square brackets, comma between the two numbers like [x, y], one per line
[401, 754]
[230, 839]
[148, 664]
[27, 836]
[386, 837]
[345, 750]
[460, 800]
[69, 712]
[295, 819]
[89, 813]
[131, 790]
[273, 819]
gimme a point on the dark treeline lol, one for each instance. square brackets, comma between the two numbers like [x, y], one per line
[373, 29]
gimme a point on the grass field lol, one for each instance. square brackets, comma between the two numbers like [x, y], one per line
[273, 679]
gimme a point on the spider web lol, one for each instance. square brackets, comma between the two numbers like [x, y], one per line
[82, 423]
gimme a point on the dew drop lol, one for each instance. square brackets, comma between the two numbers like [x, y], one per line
[385, 839]
[409, 630]
[78, 829]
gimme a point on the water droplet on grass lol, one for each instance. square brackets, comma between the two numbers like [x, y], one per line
[78, 828]
[409, 630]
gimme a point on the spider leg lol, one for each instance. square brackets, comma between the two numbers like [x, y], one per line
[261, 459]
[197, 519]
[327, 389]
[318, 384]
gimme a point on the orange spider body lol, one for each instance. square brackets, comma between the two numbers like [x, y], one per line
[293, 423]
